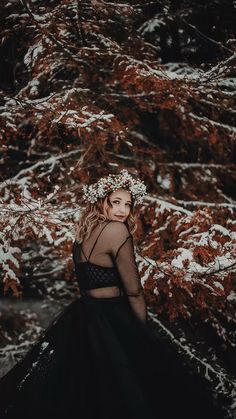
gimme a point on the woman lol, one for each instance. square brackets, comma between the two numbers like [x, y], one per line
[112, 257]
[99, 358]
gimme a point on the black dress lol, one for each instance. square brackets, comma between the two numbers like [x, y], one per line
[98, 359]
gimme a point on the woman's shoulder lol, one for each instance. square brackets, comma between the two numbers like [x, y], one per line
[117, 228]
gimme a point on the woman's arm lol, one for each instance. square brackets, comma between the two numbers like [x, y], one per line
[122, 251]
[128, 270]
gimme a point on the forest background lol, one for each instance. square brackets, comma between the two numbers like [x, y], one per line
[88, 88]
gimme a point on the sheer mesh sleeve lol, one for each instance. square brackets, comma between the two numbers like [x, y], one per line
[122, 251]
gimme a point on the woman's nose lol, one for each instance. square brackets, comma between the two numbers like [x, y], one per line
[122, 210]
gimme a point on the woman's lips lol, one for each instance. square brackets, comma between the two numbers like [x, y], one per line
[120, 217]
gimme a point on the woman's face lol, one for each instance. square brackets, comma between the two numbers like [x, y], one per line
[121, 205]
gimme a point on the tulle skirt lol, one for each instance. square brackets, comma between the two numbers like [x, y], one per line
[98, 360]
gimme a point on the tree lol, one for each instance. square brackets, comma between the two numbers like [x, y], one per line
[150, 86]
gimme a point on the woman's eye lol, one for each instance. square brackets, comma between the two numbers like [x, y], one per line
[118, 202]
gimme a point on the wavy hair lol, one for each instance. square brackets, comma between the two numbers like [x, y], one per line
[97, 213]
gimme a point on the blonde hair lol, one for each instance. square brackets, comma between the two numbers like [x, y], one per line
[97, 213]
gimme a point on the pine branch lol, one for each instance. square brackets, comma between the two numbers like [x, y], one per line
[205, 37]
[52, 38]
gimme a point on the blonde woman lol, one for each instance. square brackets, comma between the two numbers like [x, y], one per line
[99, 359]
[103, 251]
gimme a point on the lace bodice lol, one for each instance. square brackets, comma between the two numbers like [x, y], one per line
[92, 276]
[110, 265]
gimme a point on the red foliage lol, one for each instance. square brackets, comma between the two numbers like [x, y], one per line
[87, 93]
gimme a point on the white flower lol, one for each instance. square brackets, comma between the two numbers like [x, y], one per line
[111, 183]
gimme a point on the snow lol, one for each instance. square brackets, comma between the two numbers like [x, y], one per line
[164, 205]
[220, 229]
[145, 69]
[186, 232]
[6, 255]
[231, 296]
[221, 262]
[151, 25]
[44, 346]
[108, 43]
[216, 370]
[74, 90]
[22, 180]
[33, 53]
[183, 165]
[128, 143]
[94, 117]
[39, 18]
[85, 122]
[186, 254]
[165, 182]
[212, 123]
[45, 231]
[59, 285]
[34, 84]
[229, 82]
[218, 285]
[181, 71]
[206, 204]
[117, 4]
[199, 239]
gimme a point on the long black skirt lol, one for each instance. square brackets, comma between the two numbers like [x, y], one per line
[98, 360]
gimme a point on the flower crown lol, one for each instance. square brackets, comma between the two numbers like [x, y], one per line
[111, 183]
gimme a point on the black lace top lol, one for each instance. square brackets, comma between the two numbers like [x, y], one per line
[112, 263]
[90, 275]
